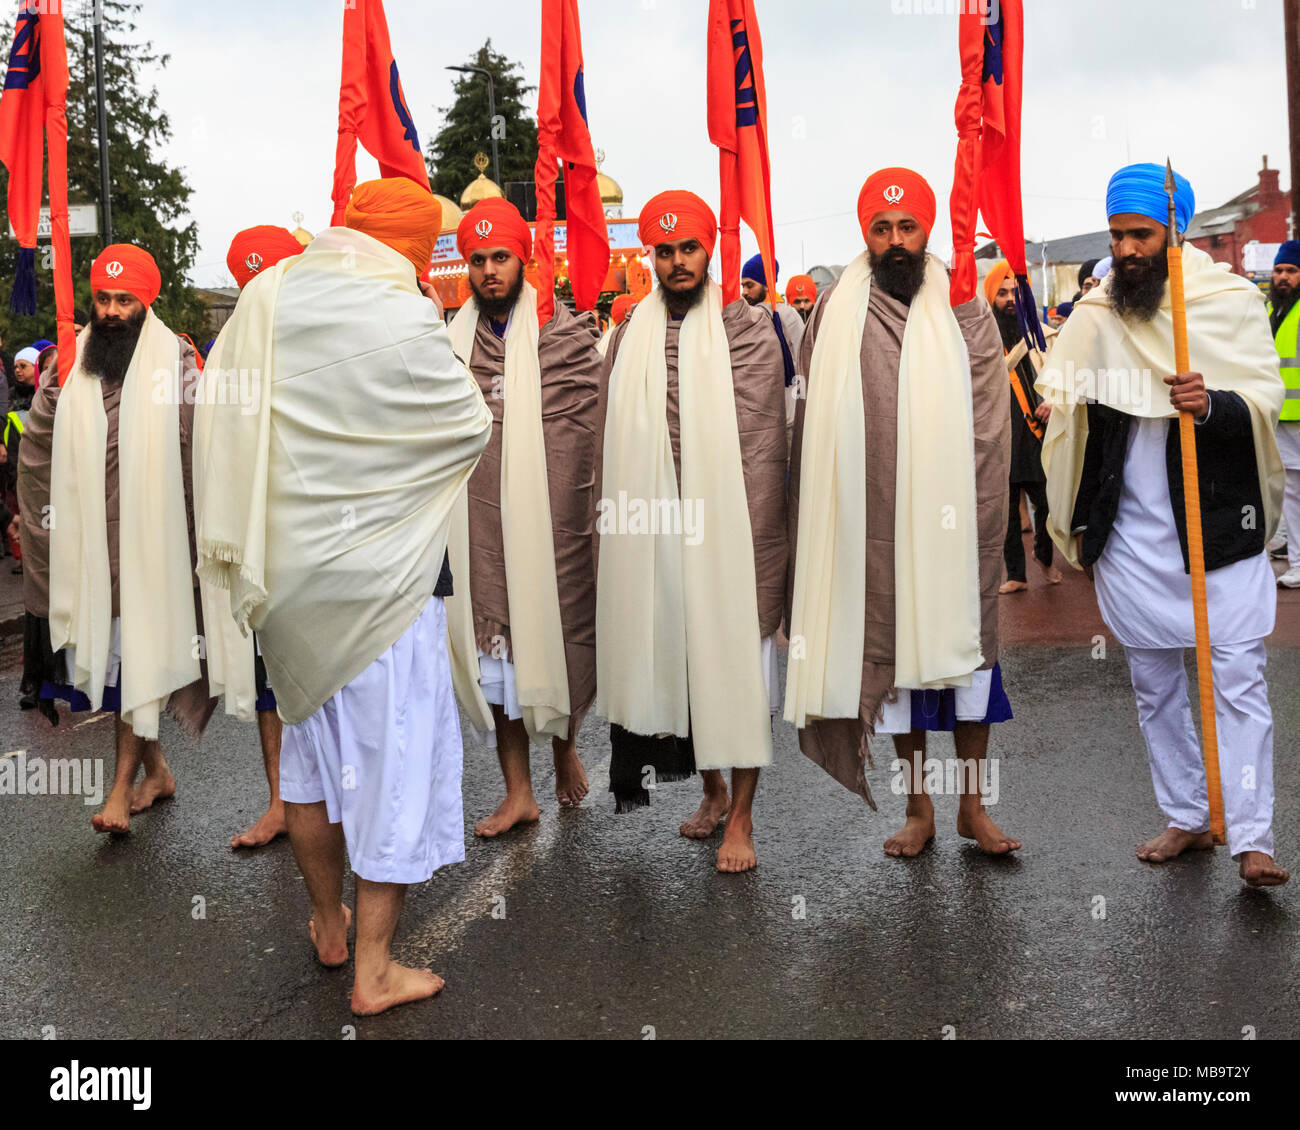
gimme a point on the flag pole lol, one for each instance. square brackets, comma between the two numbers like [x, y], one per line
[1192, 503]
[106, 203]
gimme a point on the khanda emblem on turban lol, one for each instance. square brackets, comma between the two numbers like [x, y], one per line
[668, 222]
[253, 262]
[893, 194]
[483, 229]
[113, 270]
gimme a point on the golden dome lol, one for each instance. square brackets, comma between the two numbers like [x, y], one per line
[482, 188]
[610, 190]
[451, 215]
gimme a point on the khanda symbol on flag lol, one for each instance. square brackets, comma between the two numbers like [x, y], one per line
[372, 106]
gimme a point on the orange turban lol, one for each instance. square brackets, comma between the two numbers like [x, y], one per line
[675, 215]
[400, 213]
[621, 309]
[255, 249]
[494, 223]
[896, 189]
[801, 286]
[995, 278]
[123, 266]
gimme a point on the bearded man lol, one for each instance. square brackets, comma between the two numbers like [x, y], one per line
[900, 463]
[1284, 320]
[523, 619]
[801, 293]
[122, 597]
[1113, 457]
[692, 535]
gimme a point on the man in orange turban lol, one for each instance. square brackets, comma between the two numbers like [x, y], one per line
[121, 589]
[527, 614]
[692, 534]
[896, 574]
[621, 308]
[257, 249]
[801, 293]
[400, 213]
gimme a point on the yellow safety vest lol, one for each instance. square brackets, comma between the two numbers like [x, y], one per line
[1289, 358]
[11, 421]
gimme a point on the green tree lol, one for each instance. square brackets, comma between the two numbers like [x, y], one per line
[467, 127]
[149, 199]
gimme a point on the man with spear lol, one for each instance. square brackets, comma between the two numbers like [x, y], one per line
[1170, 521]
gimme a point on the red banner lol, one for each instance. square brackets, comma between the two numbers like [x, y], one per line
[372, 107]
[563, 136]
[738, 127]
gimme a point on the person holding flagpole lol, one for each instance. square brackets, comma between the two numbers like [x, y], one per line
[1113, 458]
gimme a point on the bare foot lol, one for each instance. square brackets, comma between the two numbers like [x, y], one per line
[152, 788]
[269, 826]
[989, 838]
[115, 816]
[737, 850]
[1259, 870]
[398, 985]
[512, 811]
[570, 778]
[331, 941]
[1051, 574]
[1012, 586]
[910, 840]
[712, 812]
[1171, 843]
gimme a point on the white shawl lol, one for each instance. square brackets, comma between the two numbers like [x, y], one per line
[160, 651]
[936, 534]
[677, 637]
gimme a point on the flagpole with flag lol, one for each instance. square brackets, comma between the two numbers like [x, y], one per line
[563, 135]
[32, 116]
[372, 107]
[737, 112]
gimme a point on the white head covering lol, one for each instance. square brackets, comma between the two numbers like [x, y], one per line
[29, 354]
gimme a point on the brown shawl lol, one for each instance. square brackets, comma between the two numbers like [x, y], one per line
[570, 402]
[840, 745]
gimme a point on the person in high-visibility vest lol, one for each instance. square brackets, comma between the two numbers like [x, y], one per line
[1284, 317]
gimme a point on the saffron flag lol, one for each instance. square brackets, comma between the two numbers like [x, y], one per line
[33, 113]
[987, 174]
[372, 107]
[563, 136]
[738, 127]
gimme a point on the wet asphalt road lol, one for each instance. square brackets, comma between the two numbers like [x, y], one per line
[614, 925]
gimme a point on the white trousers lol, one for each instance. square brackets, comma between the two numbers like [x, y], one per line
[1291, 516]
[1245, 728]
[385, 756]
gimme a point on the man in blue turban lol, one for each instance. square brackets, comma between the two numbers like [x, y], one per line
[785, 319]
[1113, 457]
[1284, 318]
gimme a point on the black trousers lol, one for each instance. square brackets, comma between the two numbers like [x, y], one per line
[1013, 549]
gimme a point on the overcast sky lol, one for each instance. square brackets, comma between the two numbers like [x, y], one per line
[853, 85]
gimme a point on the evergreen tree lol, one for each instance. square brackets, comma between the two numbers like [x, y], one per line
[149, 199]
[467, 127]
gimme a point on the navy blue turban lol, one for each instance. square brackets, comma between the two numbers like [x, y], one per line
[754, 270]
[1141, 189]
[1289, 252]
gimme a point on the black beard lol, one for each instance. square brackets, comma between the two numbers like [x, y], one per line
[498, 309]
[760, 299]
[1009, 326]
[804, 314]
[1136, 295]
[111, 345]
[682, 302]
[899, 272]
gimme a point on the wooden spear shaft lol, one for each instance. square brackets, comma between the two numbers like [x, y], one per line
[1195, 548]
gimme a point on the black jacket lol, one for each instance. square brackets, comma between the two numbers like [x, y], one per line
[1232, 507]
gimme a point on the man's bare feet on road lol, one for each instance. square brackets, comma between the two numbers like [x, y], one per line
[737, 850]
[512, 812]
[989, 838]
[269, 826]
[1171, 843]
[115, 816]
[1051, 574]
[153, 788]
[331, 940]
[1259, 870]
[910, 840]
[570, 778]
[712, 812]
[398, 985]
[1012, 586]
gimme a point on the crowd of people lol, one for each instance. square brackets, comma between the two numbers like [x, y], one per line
[539, 520]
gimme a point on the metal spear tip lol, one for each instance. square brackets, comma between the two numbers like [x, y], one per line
[1171, 186]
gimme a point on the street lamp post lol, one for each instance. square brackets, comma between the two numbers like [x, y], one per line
[492, 116]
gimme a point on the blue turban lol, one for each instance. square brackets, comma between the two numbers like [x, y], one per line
[43, 344]
[1065, 309]
[1289, 252]
[1141, 189]
[754, 270]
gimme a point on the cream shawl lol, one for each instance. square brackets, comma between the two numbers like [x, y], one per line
[1123, 364]
[677, 637]
[326, 510]
[936, 537]
[536, 634]
[156, 591]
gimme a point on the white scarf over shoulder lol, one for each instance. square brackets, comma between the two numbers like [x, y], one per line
[327, 500]
[533, 594]
[1123, 363]
[936, 535]
[155, 586]
[677, 636]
